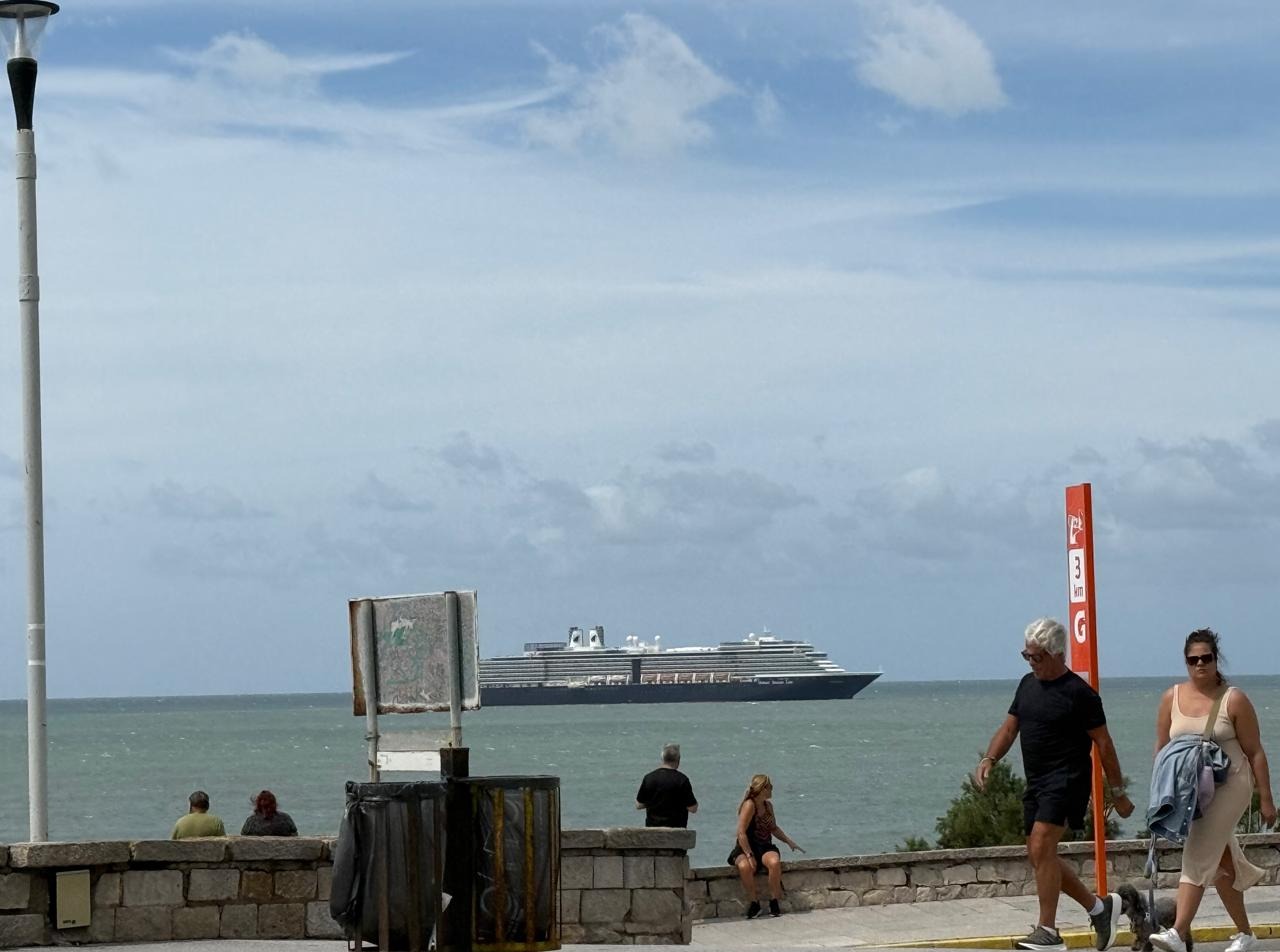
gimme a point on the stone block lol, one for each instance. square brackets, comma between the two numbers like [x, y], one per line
[256, 849]
[213, 850]
[904, 894]
[571, 934]
[15, 890]
[951, 892]
[296, 884]
[106, 891]
[731, 908]
[656, 905]
[891, 876]
[724, 889]
[599, 934]
[576, 872]
[102, 926]
[1168, 880]
[856, 879]
[284, 920]
[320, 924]
[581, 839]
[196, 922]
[877, 897]
[670, 871]
[144, 923]
[810, 879]
[153, 887]
[255, 885]
[239, 922]
[22, 930]
[570, 903]
[4, 856]
[607, 872]
[604, 905]
[208, 885]
[693, 888]
[924, 894]
[67, 855]
[324, 882]
[959, 875]
[648, 838]
[983, 890]
[926, 875]
[1263, 856]
[637, 872]
[702, 909]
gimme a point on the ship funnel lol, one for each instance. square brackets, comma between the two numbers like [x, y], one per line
[575, 637]
[596, 637]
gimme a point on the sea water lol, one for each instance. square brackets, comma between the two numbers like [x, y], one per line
[849, 777]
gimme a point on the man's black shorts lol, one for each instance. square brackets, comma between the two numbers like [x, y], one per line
[1061, 806]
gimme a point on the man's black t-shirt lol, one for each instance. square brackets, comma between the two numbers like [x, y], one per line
[1054, 718]
[667, 795]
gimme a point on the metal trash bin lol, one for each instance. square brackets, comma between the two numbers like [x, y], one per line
[516, 906]
[388, 864]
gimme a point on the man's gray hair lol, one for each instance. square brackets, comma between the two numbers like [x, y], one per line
[1048, 635]
[671, 755]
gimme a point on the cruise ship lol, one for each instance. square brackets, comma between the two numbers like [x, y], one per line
[584, 670]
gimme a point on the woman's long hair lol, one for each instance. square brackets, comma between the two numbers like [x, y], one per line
[759, 783]
[1207, 636]
[264, 804]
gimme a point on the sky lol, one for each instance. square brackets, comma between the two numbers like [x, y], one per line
[678, 318]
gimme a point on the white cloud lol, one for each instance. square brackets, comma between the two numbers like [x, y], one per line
[767, 109]
[643, 99]
[926, 57]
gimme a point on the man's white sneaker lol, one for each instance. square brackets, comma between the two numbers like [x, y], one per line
[1169, 941]
[1242, 942]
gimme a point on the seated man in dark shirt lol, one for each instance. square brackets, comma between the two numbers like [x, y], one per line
[665, 794]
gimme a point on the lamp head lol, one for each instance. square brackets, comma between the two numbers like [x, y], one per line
[23, 23]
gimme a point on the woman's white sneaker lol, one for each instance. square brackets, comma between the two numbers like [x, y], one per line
[1242, 942]
[1169, 941]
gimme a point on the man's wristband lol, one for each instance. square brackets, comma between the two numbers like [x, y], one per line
[992, 759]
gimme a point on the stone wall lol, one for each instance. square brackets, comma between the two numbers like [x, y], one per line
[885, 878]
[625, 886]
[619, 885]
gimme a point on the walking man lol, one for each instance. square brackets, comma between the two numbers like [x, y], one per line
[1060, 719]
[665, 795]
[198, 821]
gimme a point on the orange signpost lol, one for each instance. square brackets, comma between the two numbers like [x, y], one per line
[1082, 609]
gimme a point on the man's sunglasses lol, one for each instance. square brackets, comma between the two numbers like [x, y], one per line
[1035, 657]
[1194, 660]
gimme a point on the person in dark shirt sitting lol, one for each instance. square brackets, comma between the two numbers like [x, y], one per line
[267, 818]
[665, 795]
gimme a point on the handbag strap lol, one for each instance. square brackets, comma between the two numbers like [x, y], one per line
[1213, 714]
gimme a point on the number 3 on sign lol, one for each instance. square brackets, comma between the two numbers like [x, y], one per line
[1076, 576]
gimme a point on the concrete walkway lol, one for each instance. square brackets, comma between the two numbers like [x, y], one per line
[957, 923]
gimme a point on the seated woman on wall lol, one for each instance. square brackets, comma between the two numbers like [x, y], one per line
[267, 818]
[756, 829]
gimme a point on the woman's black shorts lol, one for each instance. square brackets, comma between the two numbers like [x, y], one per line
[757, 850]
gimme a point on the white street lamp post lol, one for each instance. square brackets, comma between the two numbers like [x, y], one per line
[23, 21]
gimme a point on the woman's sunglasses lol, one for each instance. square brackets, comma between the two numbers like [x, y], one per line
[1194, 660]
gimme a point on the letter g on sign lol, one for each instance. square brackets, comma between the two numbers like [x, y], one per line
[1080, 627]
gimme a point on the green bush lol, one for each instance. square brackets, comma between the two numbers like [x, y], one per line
[913, 844]
[988, 817]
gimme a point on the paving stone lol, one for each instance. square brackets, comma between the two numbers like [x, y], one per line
[604, 905]
[67, 855]
[320, 924]
[144, 924]
[285, 920]
[211, 850]
[15, 890]
[106, 891]
[239, 922]
[22, 930]
[259, 848]
[196, 922]
[637, 872]
[296, 884]
[213, 884]
[152, 887]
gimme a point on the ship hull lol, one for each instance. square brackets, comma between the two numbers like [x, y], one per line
[825, 688]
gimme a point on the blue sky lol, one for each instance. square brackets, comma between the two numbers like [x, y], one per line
[680, 318]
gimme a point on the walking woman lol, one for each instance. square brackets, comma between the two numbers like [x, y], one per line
[1211, 854]
[757, 827]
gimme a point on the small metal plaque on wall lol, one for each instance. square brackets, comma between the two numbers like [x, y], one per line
[71, 899]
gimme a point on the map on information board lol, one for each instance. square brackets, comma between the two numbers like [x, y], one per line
[411, 653]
